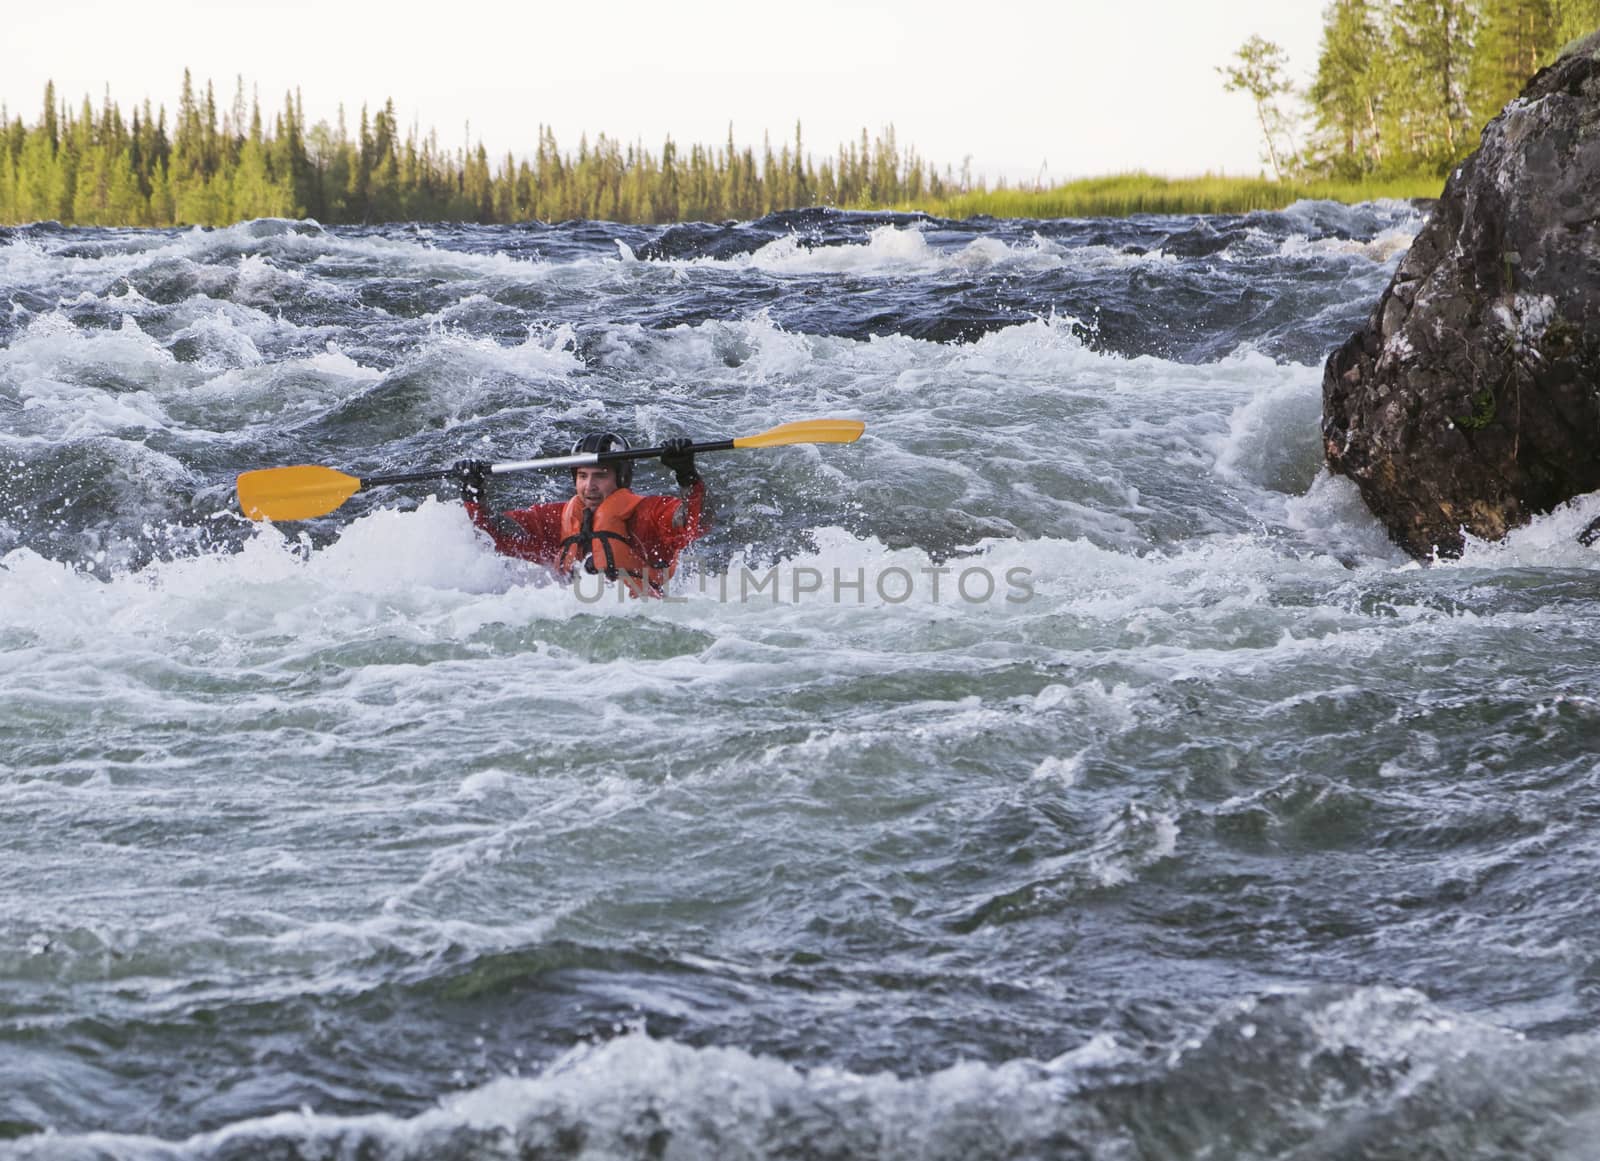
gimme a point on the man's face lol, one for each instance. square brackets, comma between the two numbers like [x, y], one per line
[593, 485]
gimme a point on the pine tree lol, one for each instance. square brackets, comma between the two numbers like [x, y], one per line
[163, 208]
[477, 190]
[8, 172]
[1348, 91]
[151, 151]
[186, 175]
[669, 203]
[358, 187]
[91, 181]
[1514, 37]
[51, 124]
[800, 192]
[126, 203]
[286, 155]
[1432, 41]
[76, 139]
[863, 176]
[253, 192]
[384, 199]
[35, 176]
[1573, 19]
[728, 192]
[211, 146]
[233, 134]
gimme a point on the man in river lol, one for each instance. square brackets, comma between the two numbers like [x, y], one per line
[605, 528]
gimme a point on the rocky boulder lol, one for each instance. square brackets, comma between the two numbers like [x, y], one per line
[1470, 400]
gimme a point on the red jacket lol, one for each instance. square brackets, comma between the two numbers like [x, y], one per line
[535, 533]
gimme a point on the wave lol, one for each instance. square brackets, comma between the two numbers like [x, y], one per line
[1325, 1073]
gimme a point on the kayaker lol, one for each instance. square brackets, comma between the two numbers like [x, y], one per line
[606, 528]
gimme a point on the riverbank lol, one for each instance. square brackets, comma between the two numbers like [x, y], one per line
[1125, 194]
[1111, 196]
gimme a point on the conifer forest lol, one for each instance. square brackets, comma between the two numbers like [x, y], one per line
[1400, 90]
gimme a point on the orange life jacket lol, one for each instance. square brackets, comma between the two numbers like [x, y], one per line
[604, 544]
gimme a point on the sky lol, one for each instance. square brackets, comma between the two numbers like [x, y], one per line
[1038, 90]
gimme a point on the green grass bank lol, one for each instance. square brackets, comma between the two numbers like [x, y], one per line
[1124, 194]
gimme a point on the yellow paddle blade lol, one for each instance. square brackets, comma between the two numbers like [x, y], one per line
[806, 431]
[297, 493]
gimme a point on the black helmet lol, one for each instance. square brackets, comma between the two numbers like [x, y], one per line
[606, 441]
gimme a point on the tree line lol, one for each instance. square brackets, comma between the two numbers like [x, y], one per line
[213, 166]
[1401, 86]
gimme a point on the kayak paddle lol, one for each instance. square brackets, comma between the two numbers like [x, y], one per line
[301, 492]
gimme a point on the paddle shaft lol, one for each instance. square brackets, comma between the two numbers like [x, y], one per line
[408, 477]
[577, 460]
[589, 459]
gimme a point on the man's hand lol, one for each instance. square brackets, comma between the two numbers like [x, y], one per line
[474, 477]
[675, 455]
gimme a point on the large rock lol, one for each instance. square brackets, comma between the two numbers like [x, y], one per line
[1471, 398]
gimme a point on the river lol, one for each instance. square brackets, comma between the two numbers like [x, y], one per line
[1069, 768]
